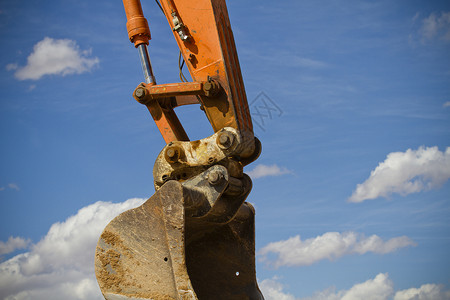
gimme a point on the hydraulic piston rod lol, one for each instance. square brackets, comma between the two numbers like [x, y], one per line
[146, 64]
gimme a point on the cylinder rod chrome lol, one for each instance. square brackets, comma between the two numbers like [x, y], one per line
[146, 64]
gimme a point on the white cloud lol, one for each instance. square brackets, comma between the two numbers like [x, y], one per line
[378, 288]
[327, 294]
[11, 67]
[416, 16]
[446, 104]
[273, 290]
[14, 186]
[264, 170]
[62, 263]
[405, 173]
[436, 25]
[55, 57]
[331, 245]
[307, 62]
[13, 244]
[425, 292]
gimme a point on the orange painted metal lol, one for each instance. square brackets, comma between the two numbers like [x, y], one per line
[167, 122]
[203, 32]
[137, 25]
[175, 89]
[161, 110]
[160, 100]
[210, 51]
[186, 100]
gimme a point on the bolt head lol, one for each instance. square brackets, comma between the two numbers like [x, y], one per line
[214, 177]
[171, 152]
[207, 86]
[140, 92]
[225, 140]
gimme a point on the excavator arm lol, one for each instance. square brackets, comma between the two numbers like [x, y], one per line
[194, 238]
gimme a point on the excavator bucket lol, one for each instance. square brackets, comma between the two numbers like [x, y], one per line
[188, 241]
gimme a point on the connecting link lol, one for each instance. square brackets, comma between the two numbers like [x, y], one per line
[146, 92]
[224, 195]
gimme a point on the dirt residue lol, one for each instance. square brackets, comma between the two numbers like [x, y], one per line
[112, 239]
[117, 273]
[153, 296]
[111, 273]
[195, 144]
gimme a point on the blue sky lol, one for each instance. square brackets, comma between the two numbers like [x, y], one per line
[351, 190]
